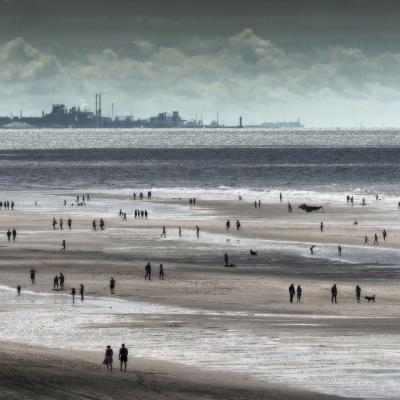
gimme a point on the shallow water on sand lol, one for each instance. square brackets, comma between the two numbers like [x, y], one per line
[361, 366]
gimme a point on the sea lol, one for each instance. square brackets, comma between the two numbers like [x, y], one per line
[216, 163]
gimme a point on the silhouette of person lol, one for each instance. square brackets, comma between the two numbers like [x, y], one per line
[112, 285]
[147, 269]
[334, 293]
[358, 293]
[161, 272]
[82, 291]
[299, 292]
[33, 276]
[292, 292]
[226, 257]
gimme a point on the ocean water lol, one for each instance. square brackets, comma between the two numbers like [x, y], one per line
[215, 163]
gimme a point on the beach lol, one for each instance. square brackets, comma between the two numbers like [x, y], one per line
[204, 316]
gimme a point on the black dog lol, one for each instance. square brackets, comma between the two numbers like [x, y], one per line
[253, 253]
[370, 298]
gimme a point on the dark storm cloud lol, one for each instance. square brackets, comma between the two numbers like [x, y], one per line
[330, 62]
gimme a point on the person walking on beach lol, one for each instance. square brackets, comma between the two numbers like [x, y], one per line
[312, 249]
[228, 225]
[290, 209]
[161, 272]
[102, 224]
[82, 292]
[147, 269]
[94, 225]
[61, 223]
[280, 197]
[255, 204]
[164, 232]
[334, 293]
[292, 292]
[366, 240]
[384, 234]
[54, 223]
[376, 240]
[358, 293]
[123, 354]
[14, 234]
[63, 245]
[180, 232]
[339, 250]
[237, 225]
[108, 358]
[299, 292]
[62, 279]
[112, 285]
[73, 292]
[321, 226]
[197, 231]
[69, 223]
[33, 276]
[9, 235]
[226, 258]
[19, 289]
[55, 283]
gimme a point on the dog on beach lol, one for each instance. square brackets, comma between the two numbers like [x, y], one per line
[253, 253]
[370, 298]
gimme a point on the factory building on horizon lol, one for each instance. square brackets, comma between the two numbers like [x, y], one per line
[75, 117]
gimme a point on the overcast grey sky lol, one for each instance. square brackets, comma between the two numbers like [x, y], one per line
[329, 62]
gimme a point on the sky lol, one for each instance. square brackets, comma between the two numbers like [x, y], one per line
[331, 63]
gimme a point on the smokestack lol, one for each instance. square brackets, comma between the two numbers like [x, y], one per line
[99, 104]
[96, 105]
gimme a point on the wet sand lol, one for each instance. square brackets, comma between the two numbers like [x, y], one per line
[197, 279]
[48, 374]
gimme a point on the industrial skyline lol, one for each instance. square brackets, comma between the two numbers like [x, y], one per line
[75, 117]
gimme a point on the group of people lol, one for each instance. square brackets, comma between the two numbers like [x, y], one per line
[147, 270]
[12, 233]
[141, 196]
[334, 293]
[58, 282]
[376, 241]
[140, 214]
[123, 214]
[257, 204]
[192, 202]
[122, 356]
[101, 224]
[7, 205]
[61, 223]
[81, 292]
[293, 292]
[228, 225]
